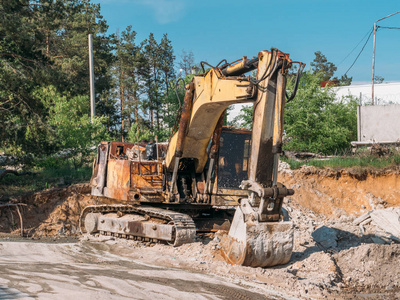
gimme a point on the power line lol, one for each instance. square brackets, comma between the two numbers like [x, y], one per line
[359, 53]
[369, 32]
[385, 27]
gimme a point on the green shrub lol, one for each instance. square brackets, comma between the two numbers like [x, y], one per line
[70, 124]
[315, 121]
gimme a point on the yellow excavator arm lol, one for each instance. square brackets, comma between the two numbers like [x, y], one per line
[208, 96]
[256, 238]
[212, 94]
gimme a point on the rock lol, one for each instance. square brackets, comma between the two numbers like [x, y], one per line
[345, 219]
[216, 239]
[284, 167]
[362, 224]
[104, 238]
[388, 220]
[362, 218]
[387, 237]
[110, 242]
[325, 236]
[341, 285]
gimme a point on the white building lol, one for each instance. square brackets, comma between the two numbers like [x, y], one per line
[385, 93]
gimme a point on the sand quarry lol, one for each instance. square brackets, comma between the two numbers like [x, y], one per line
[346, 240]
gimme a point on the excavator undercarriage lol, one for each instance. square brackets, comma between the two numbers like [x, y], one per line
[207, 177]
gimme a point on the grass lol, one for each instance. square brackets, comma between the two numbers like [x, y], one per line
[360, 160]
[12, 185]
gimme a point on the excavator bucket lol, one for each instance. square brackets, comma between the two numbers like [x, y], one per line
[257, 244]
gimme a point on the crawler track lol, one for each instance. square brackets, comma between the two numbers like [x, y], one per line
[184, 227]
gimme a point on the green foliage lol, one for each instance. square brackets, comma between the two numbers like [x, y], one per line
[50, 177]
[321, 66]
[362, 161]
[53, 162]
[245, 118]
[315, 121]
[144, 72]
[344, 80]
[137, 134]
[378, 79]
[70, 123]
[44, 43]
[186, 64]
[70, 120]
[44, 51]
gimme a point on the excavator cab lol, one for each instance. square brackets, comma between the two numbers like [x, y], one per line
[233, 158]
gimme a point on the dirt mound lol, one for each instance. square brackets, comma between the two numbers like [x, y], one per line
[371, 267]
[51, 212]
[344, 192]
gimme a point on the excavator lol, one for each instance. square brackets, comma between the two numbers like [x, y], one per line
[207, 177]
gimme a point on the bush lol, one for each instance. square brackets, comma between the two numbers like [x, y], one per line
[70, 124]
[315, 121]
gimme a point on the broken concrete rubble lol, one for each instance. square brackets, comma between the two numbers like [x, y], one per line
[325, 236]
[387, 222]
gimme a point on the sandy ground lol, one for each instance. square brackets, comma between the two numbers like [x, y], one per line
[85, 270]
[355, 268]
[109, 268]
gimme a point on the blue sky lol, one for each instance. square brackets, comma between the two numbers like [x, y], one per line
[220, 29]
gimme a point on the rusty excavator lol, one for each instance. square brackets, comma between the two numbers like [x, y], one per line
[208, 177]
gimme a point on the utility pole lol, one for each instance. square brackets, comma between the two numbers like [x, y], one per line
[373, 65]
[373, 55]
[91, 72]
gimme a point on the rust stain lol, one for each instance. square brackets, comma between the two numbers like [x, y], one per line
[118, 179]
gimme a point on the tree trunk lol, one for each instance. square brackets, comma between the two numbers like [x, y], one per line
[135, 106]
[47, 43]
[158, 120]
[151, 114]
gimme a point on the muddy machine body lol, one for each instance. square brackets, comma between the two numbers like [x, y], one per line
[207, 177]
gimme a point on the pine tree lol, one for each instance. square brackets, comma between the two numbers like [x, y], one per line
[153, 81]
[167, 62]
[187, 62]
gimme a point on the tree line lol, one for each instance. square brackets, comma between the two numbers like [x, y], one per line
[44, 79]
[44, 85]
